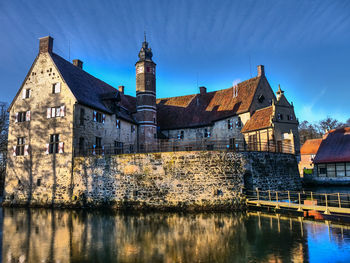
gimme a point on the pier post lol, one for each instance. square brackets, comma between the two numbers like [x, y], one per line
[339, 200]
[277, 204]
[327, 211]
[269, 195]
[257, 194]
[299, 209]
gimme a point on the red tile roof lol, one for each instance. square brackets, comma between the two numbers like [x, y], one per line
[203, 109]
[261, 119]
[310, 146]
[335, 147]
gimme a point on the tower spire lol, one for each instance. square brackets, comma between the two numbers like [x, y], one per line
[144, 35]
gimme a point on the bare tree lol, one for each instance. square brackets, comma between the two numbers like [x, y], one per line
[4, 124]
[308, 131]
[329, 124]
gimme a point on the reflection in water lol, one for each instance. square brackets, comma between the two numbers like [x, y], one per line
[39, 235]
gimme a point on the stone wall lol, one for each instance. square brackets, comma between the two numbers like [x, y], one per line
[182, 179]
[161, 180]
[201, 180]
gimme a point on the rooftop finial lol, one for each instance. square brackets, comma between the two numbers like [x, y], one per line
[144, 34]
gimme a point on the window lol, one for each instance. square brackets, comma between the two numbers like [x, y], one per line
[181, 135]
[38, 182]
[206, 133]
[82, 116]
[229, 125]
[117, 124]
[279, 116]
[132, 127]
[54, 143]
[99, 117]
[98, 143]
[340, 167]
[238, 122]
[55, 112]
[291, 117]
[154, 120]
[22, 116]
[56, 87]
[26, 93]
[331, 170]
[20, 146]
[347, 169]
[322, 170]
[131, 148]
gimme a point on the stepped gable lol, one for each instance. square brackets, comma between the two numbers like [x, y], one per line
[261, 119]
[203, 109]
[335, 147]
[310, 146]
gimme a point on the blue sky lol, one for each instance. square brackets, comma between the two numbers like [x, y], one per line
[304, 45]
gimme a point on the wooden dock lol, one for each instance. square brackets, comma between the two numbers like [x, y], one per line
[302, 201]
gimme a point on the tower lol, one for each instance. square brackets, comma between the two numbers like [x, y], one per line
[146, 97]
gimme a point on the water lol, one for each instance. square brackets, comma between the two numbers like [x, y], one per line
[39, 235]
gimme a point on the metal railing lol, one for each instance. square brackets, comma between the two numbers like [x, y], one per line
[184, 145]
[336, 200]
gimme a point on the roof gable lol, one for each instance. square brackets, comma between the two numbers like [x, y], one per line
[261, 119]
[203, 109]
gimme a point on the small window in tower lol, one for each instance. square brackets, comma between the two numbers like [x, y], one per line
[38, 182]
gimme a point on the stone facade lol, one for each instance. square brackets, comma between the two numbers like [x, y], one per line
[32, 168]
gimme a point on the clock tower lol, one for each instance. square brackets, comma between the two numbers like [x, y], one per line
[146, 98]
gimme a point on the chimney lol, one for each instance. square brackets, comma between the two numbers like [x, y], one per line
[202, 90]
[45, 44]
[78, 63]
[121, 89]
[261, 71]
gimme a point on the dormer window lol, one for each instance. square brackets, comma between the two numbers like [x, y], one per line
[56, 88]
[279, 116]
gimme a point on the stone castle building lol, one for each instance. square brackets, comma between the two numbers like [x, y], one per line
[61, 111]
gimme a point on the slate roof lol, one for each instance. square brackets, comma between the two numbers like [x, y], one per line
[335, 147]
[86, 88]
[259, 120]
[91, 91]
[203, 109]
[310, 146]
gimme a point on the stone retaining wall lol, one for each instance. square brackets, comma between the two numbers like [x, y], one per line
[207, 180]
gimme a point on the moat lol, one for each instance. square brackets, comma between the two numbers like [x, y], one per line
[44, 235]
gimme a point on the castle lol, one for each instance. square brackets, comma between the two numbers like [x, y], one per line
[61, 111]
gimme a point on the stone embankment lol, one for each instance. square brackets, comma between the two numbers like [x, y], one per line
[212, 180]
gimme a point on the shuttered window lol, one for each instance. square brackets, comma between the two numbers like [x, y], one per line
[55, 146]
[56, 112]
[56, 87]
